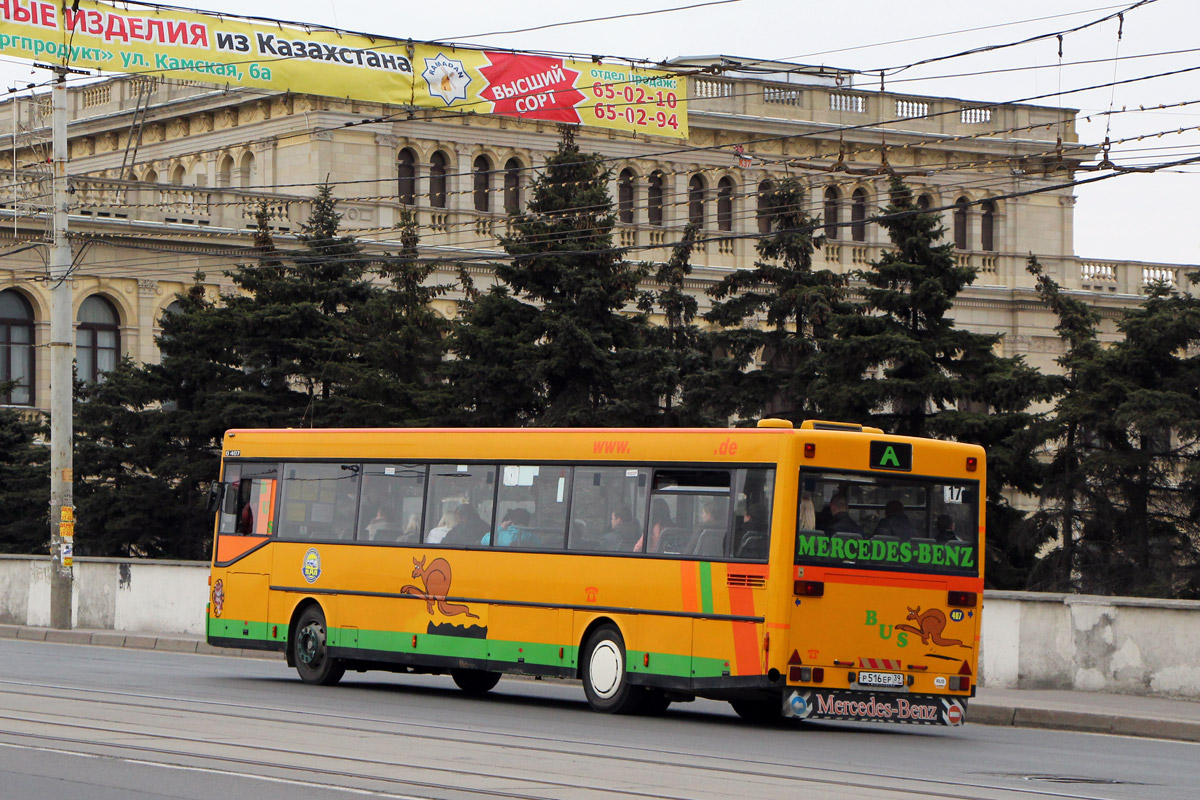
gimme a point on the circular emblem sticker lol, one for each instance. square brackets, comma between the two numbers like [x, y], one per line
[956, 615]
[312, 565]
[799, 706]
[954, 714]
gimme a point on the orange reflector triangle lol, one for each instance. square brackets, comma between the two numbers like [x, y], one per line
[965, 669]
[795, 659]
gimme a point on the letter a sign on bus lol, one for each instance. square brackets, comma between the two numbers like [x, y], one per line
[891, 455]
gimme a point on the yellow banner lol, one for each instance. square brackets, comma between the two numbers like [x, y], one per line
[235, 52]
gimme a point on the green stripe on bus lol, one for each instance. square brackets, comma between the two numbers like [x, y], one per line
[706, 601]
[238, 629]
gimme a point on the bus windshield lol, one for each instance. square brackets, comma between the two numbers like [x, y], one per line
[872, 521]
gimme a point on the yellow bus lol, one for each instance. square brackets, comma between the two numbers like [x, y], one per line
[824, 572]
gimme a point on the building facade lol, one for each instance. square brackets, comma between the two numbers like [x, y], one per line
[165, 176]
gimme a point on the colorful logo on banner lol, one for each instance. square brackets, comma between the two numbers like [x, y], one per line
[229, 51]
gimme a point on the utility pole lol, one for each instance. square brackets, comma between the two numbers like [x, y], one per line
[62, 357]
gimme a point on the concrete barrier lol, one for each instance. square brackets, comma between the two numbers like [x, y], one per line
[127, 595]
[1030, 640]
[1123, 645]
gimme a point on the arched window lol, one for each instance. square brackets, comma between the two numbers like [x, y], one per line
[225, 172]
[482, 181]
[16, 348]
[987, 231]
[406, 177]
[177, 175]
[832, 206]
[924, 202]
[150, 176]
[97, 339]
[764, 204]
[654, 199]
[625, 196]
[248, 172]
[439, 167]
[697, 197]
[960, 223]
[512, 186]
[725, 204]
[858, 215]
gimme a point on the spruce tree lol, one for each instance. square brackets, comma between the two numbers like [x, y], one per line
[555, 342]
[1134, 411]
[904, 366]
[680, 368]
[402, 339]
[778, 318]
[24, 484]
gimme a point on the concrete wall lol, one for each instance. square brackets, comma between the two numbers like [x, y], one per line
[111, 594]
[1125, 645]
[1030, 641]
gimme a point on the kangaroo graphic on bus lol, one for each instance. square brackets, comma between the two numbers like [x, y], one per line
[436, 580]
[930, 626]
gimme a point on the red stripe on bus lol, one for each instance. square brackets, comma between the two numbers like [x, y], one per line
[745, 634]
[691, 585]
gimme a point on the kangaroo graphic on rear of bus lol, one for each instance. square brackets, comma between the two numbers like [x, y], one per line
[931, 624]
[436, 578]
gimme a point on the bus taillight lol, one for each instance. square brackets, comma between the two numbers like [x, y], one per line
[810, 588]
[964, 599]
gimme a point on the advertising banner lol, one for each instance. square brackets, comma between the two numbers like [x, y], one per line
[229, 51]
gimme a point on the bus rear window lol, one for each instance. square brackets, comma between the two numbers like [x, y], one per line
[885, 522]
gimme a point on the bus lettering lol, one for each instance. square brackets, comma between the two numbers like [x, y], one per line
[806, 546]
[836, 550]
[872, 617]
[610, 446]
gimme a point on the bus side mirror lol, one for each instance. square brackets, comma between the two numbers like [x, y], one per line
[216, 493]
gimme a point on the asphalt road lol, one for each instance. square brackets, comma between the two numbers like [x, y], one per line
[101, 723]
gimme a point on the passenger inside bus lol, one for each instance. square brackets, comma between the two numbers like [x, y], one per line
[840, 520]
[945, 528]
[895, 523]
[468, 527]
[624, 533]
[660, 520]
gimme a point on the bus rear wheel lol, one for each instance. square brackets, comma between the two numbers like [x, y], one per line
[310, 650]
[605, 681]
[475, 681]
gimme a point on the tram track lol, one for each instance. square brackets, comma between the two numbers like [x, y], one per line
[433, 780]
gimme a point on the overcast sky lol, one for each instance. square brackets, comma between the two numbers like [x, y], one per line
[1136, 217]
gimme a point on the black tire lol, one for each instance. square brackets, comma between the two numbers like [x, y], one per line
[605, 680]
[475, 681]
[758, 710]
[654, 703]
[310, 650]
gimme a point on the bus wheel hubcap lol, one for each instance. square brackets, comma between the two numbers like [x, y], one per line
[605, 669]
[310, 644]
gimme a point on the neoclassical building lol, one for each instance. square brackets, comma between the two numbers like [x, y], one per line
[165, 173]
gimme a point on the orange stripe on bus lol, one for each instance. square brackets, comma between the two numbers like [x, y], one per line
[230, 547]
[745, 636]
[691, 585]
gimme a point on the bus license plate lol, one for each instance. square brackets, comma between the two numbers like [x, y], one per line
[880, 679]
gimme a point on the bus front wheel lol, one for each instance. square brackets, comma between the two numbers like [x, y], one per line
[605, 681]
[475, 681]
[310, 648]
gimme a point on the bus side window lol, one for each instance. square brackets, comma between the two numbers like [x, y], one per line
[601, 497]
[318, 501]
[249, 505]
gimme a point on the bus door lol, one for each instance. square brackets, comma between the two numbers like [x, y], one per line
[728, 588]
[245, 524]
